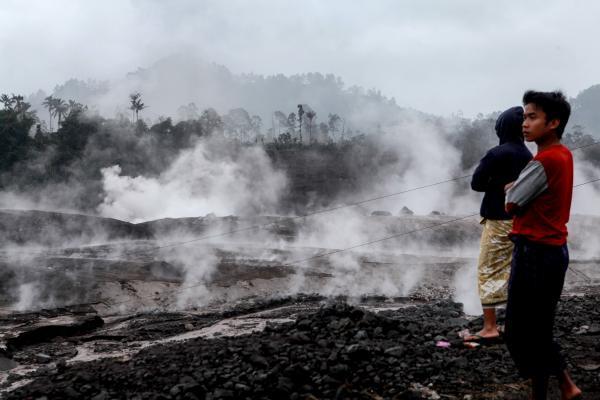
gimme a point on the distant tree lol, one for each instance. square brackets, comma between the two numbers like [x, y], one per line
[256, 124]
[310, 115]
[141, 127]
[237, 122]
[18, 99]
[182, 133]
[474, 138]
[17, 104]
[39, 139]
[188, 112]
[136, 105]
[281, 119]
[7, 102]
[163, 127]
[292, 123]
[585, 110]
[49, 104]
[578, 138]
[333, 123]
[59, 108]
[300, 119]
[271, 133]
[324, 132]
[71, 139]
[74, 107]
[284, 139]
[15, 123]
[211, 122]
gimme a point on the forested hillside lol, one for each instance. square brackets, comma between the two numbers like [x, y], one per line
[320, 162]
[182, 86]
[328, 140]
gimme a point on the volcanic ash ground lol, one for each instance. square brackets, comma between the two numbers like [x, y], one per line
[264, 307]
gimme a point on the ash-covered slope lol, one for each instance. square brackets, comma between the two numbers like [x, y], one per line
[32, 227]
[119, 344]
[124, 266]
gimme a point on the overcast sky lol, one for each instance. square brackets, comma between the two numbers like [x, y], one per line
[436, 56]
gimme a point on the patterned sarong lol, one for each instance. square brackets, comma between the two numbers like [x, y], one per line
[494, 262]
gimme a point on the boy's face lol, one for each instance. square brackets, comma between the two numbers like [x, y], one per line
[535, 126]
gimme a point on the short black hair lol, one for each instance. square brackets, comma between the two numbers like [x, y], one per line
[554, 104]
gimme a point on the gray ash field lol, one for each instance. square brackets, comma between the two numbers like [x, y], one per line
[104, 309]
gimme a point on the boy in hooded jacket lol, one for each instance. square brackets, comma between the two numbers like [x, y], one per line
[500, 165]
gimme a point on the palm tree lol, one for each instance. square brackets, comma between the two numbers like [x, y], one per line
[60, 109]
[135, 99]
[17, 105]
[7, 101]
[49, 104]
[22, 107]
[75, 107]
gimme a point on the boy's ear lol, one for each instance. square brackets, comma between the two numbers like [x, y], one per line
[553, 124]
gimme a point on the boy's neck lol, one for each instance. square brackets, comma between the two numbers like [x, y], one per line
[547, 141]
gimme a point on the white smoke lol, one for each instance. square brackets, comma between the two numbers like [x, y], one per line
[425, 156]
[586, 198]
[27, 296]
[466, 289]
[198, 265]
[202, 180]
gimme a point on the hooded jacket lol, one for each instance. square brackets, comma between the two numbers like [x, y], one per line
[501, 164]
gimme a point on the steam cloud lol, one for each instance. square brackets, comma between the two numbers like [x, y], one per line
[425, 156]
[222, 178]
[208, 178]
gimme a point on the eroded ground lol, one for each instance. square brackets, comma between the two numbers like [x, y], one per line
[133, 316]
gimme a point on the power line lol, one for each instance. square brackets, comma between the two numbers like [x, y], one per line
[378, 240]
[322, 211]
[327, 210]
[296, 262]
[585, 183]
[262, 226]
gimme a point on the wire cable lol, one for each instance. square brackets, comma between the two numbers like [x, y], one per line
[326, 210]
[322, 211]
[304, 260]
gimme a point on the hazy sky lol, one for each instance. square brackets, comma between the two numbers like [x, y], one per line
[437, 56]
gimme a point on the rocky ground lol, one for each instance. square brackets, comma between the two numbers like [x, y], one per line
[306, 348]
[109, 314]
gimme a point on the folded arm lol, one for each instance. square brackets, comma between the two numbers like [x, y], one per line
[532, 181]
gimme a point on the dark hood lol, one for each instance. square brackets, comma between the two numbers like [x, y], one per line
[509, 125]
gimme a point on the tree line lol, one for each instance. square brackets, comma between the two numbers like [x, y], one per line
[24, 138]
[81, 142]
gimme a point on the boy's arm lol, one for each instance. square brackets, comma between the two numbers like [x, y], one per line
[532, 181]
[482, 175]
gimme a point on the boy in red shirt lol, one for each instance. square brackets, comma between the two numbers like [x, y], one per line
[540, 201]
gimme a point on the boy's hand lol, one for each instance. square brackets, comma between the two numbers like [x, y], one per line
[508, 186]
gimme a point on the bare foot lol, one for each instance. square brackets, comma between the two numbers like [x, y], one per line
[568, 388]
[570, 393]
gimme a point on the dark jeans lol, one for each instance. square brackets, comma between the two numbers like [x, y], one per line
[536, 281]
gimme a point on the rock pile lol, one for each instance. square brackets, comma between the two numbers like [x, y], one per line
[337, 352]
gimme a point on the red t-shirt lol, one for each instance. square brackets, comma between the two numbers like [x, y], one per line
[544, 219]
